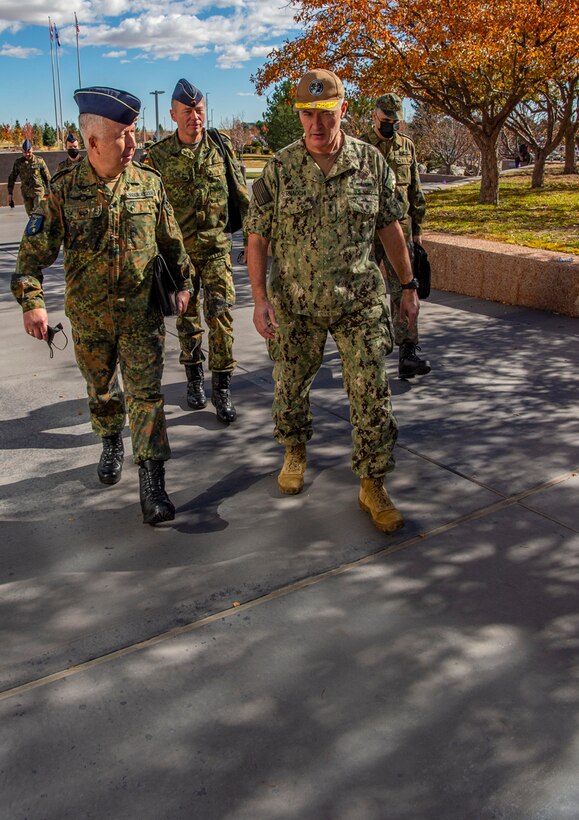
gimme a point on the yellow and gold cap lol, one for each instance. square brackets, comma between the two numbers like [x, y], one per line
[319, 89]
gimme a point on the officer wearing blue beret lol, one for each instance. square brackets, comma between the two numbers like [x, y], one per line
[114, 218]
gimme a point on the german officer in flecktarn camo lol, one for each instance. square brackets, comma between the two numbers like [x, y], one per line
[195, 176]
[114, 218]
[34, 178]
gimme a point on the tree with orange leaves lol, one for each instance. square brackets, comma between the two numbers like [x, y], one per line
[474, 61]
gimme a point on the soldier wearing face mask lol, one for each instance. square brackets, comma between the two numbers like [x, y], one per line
[74, 155]
[400, 154]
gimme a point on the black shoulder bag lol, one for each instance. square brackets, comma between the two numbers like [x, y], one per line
[234, 221]
[421, 271]
[164, 288]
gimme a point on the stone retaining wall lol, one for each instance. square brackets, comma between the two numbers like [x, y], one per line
[500, 272]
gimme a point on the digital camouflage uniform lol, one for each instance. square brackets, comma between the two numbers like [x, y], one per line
[196, 185]
[324, 278]
[110, 241]
[400, 155]
[34, 178]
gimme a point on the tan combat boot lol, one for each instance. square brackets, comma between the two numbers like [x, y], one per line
[291, 478]
[374, 499]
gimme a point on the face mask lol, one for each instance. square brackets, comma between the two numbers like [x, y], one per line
[73, 153]
[388, 129]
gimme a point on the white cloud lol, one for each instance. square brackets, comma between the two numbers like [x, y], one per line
[19, 52]
[237, 30]
[115, 54]
[234, 56]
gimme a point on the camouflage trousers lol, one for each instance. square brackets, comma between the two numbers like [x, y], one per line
[139, 354]
[214, 277]
[31, 202]
[364, 339]
[401, 331]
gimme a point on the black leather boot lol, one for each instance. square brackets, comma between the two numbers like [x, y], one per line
[196, 398]
[221, 397]
[410, 364]
[111, 460]
[155, 503]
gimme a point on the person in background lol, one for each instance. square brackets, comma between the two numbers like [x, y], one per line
[73, 151]
[34, 178]
[114, 218]
[523, 156]
[398, 151]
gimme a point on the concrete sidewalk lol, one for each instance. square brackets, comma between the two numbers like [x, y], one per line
[272, 658]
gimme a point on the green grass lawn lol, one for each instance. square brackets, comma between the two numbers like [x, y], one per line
[538, 218]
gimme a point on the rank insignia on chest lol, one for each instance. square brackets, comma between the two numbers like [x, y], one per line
[35, 224]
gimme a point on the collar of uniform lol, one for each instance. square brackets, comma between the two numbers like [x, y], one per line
[86, 174]
[378, 141]
[373, 138]
[346, 159]
[176, 146]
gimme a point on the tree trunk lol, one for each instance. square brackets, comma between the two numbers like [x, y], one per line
[570, 159]
[489, 183]
[538, 178]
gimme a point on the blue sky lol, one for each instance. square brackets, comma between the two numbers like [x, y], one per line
[140, 46]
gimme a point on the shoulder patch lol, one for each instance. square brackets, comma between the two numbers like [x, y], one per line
[261, 192]
[35, 224]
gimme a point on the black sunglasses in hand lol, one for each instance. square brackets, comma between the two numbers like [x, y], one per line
[52, 331]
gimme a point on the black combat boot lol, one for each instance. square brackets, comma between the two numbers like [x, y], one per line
[111, 460]
[155, 503]
[410, 364]
[196, 398]
[221, 397]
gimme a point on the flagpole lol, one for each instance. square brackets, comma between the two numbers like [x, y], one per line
[77, 49]
[53, 83]
[59, 86]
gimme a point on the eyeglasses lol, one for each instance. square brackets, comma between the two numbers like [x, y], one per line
[52, 331]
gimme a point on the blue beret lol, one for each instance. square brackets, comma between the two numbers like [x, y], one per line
[26, 145]
[119, 106]
[70, 137]
[187, 93]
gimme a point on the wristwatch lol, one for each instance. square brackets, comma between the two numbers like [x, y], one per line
[412, 285]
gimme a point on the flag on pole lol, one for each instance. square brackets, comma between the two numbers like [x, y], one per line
[77, 48]
[50, 29]
[57, 37]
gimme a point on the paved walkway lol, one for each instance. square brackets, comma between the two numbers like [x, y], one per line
[276, 658]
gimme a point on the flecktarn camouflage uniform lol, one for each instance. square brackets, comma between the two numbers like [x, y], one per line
[400, 154]
[66, 164]
[324, 278]
[111, 236]
[196, 185]
[34, 178]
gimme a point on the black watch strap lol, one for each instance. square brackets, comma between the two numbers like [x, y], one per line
[412, 285]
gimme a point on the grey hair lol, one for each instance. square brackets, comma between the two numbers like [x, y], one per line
[92, 125]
